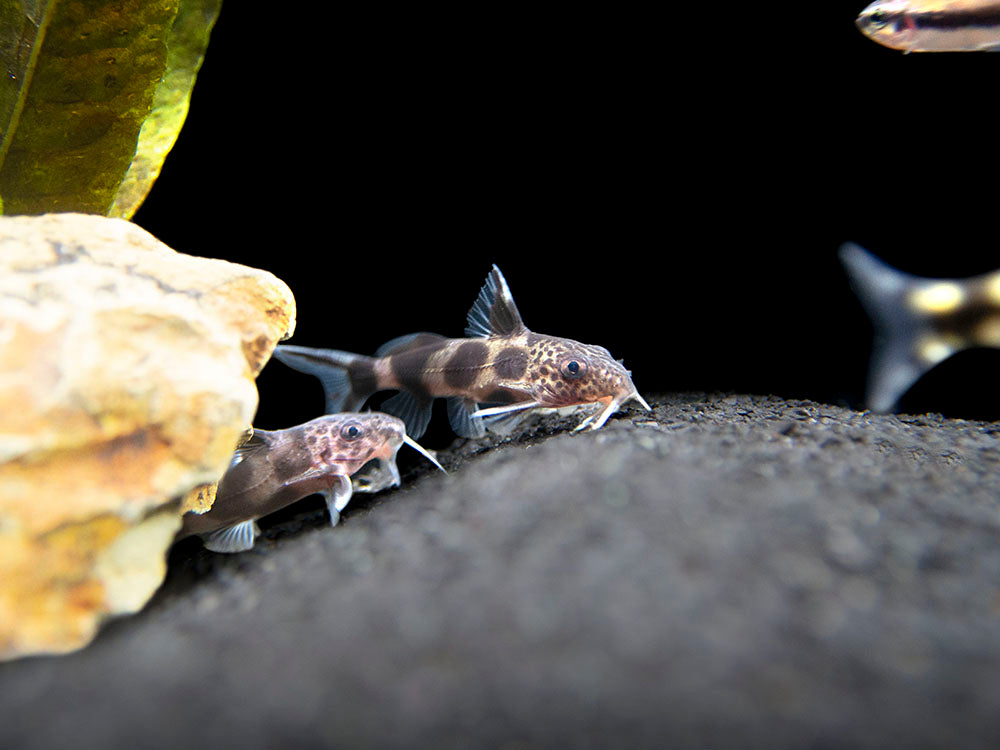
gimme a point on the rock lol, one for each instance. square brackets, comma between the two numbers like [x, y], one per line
[126, 379]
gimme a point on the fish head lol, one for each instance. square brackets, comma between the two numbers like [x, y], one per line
[889, 23]
[343, 443]
[563, 372]
[346, 443]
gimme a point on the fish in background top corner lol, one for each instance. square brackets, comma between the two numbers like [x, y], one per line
[490, 379]
[933, 25]
[919, 322]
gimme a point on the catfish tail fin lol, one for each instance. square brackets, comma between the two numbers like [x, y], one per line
[906, 343]
[348, 379]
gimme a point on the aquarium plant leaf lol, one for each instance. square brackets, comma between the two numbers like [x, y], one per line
[186, 44]
[80, 80]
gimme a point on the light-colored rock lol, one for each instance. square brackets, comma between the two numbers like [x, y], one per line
[126, 379]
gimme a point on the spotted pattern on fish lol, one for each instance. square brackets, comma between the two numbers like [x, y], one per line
[501, 364]
[276, 468]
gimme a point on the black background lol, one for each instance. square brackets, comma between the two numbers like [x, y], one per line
[669, 182]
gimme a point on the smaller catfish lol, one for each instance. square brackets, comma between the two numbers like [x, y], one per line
[494, 376]
[274, 469]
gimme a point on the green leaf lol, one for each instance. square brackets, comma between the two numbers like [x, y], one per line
[186, 45]
[92, 97]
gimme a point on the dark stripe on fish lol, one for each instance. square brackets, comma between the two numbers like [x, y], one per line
[933, 19]
[465, 364]
[408, 367]
[962, 320]
[363, 379]
[511, 363]
[954, 19]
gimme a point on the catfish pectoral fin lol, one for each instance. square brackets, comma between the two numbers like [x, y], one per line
[413, 410]
[503, 420]
[236, 538]
[337, 497]
[505, 409]
[460, 411]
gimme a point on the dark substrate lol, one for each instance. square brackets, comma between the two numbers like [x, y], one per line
[728, 570]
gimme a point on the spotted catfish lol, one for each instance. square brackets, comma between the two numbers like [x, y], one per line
[274, 469]
[490, 379]
[918, 321]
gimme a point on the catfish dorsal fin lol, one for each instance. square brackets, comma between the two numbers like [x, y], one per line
[409, 341]
[494, 313]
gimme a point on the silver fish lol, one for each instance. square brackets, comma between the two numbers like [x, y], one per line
[918, 321]
[273, 469]
[933, 25]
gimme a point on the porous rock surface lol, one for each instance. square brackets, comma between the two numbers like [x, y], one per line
[728, 571]
[126, 379]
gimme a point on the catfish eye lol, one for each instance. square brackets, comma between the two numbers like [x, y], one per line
[350, 431]
[572, 368]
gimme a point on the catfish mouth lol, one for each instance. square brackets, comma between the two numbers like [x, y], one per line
[599, 409]
[615, 386]
[376, 475]
[611, 405]
[381, 471]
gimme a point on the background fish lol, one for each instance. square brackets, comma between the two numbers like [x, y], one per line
[274, 469]
[918, 322]
[933, 25]
[502, 366]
